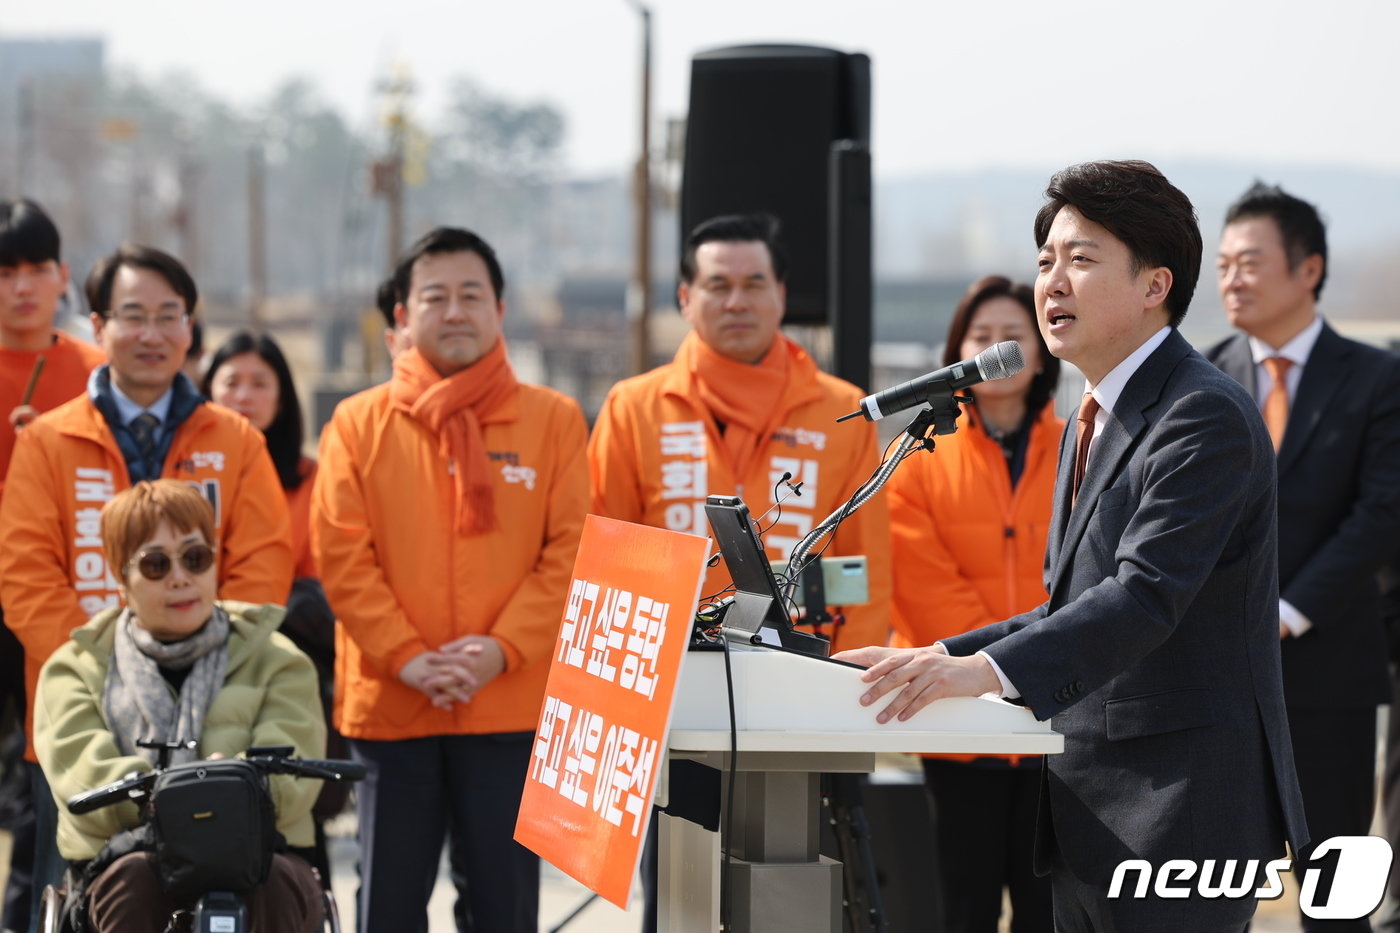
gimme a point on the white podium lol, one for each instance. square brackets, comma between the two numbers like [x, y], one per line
[796, 718]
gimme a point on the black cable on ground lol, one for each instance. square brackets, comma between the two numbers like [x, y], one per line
[727, 833]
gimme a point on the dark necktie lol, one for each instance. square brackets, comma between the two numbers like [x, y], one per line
[143, 429]
[1084, 435]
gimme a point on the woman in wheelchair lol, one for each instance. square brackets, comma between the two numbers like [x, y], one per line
[174, 664]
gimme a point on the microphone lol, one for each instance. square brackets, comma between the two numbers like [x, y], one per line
[996, 362]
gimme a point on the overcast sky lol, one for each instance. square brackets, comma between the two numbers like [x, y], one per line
[956, 85]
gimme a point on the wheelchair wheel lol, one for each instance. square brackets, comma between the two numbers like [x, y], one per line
[331, 923]
[51, 903]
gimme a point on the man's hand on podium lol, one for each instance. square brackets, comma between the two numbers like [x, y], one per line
[921, 675]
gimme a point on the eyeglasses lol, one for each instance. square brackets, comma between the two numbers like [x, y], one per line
[156, 565]
[167, 322]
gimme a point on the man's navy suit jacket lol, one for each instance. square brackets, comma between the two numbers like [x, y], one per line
[1157, 653]
[1338, 515]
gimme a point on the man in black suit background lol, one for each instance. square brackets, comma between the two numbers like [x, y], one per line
[1157, 652]
[1332, 406]
[1388, 917]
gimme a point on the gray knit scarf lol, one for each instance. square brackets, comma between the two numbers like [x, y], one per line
[137, 699]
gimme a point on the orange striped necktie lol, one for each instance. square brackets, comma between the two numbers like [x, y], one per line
[1275, 408]
[1084, 435]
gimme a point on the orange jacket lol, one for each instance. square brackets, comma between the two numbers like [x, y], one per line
[66, 465]
[402, 581]
[66, 366]
[299, 509]
[655, 455]
[970, 550]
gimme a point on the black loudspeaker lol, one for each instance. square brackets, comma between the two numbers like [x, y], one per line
[767, 126]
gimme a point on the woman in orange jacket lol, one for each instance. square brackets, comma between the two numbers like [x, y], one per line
[249, 374]
[969, 525]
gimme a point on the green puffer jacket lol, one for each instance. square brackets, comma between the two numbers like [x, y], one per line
[269, 697]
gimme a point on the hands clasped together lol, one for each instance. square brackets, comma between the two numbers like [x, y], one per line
[921, 675]
[457, 671]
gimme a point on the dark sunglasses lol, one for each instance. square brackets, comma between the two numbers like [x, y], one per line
[156, 565]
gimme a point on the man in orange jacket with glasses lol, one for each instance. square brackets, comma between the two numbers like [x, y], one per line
[140, 418]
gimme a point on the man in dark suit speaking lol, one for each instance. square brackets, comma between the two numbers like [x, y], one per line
[1157, 652]
[1332, 407]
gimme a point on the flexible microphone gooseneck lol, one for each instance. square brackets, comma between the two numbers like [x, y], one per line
[996, 362]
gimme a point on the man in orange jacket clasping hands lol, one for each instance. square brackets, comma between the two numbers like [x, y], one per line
[445, 519]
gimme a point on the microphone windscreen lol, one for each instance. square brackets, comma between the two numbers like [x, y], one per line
[1001, 360]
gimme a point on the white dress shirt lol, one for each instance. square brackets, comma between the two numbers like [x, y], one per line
[1297, 352]
[1106, 393]
[128, 410]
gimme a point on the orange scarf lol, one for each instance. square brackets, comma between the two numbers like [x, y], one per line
[743, 397]
[455, 408]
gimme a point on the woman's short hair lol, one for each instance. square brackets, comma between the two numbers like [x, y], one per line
[134, 515]
[979, 293]
[286, 432]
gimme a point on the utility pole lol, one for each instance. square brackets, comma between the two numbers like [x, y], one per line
[187, 175]
[26, 141]
[639, 295]
[387, 182]
[388, 170]
[393, 194]
[125, 133]
[140, 197]
[257, 237]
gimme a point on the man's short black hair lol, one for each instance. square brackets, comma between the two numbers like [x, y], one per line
[27, 235]
[98, 287]
[1133, 201]
[735, 228]
[1299, 224]
[446, 240]
[196, 349]
[385, 298]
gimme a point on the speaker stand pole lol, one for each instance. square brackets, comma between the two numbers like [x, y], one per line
[639, 297]
[851, 277]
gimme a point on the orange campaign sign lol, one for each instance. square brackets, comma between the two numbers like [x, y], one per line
[601, 737]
